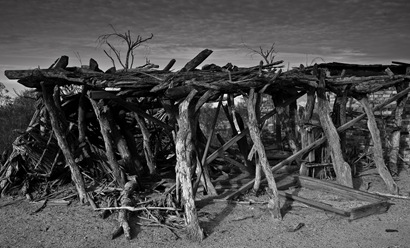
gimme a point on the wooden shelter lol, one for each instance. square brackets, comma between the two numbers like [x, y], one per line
[99, 116]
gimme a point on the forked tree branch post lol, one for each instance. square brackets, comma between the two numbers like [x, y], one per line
[255, 133]
[342, 168]
[184, 149]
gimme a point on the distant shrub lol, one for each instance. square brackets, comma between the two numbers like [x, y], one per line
[15, 115]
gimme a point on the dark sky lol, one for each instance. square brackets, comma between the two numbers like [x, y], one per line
[36, 32]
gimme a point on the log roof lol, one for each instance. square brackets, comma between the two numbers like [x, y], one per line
[350, 78]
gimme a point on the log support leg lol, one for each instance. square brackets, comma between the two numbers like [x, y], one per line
[185, 163]
[255, 133]
[59, 126]
[377, 147]
[396, 135]
[342, 168]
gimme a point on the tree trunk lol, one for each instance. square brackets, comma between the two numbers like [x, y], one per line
[185, 162]
[342, 169]
[377, 148]
[255, 133]
[59, 126]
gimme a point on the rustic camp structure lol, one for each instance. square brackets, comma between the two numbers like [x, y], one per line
[126, 127]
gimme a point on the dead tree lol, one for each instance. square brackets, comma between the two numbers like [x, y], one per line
[131, 43]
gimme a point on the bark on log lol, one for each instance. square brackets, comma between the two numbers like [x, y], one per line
[255, 133]
[57, 122]
[396, 135]
[104, 117]
[185, 162]
[342, 169]
[377, 148]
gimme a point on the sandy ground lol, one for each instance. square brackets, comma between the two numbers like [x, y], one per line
[226, 225]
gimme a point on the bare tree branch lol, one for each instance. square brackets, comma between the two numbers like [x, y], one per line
[131, 45]
[268, 55]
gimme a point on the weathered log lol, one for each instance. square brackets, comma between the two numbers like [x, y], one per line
[184, 152]
[126, 201]
[255, 133]
[341, 167]
[377, 148]
[104, 117]
[169, 65]
[60, 63]
[57, 122]
[395, 136]
[192, 64]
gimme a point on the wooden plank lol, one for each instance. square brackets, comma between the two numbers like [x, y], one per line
[315, 204]
[334, 188]
[374, 208]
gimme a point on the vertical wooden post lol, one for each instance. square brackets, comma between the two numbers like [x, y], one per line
[255, 133]
[396, 135]
[104, 117]
[342, 169]
[59, 126]
[307, 134]
[185, 162]
[377, 147]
